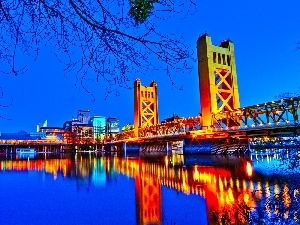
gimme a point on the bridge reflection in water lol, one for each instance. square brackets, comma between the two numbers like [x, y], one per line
[233, 192]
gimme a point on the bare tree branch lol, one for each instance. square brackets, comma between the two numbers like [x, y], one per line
[98, 40]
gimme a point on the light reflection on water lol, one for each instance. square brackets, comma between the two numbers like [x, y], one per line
[100, 189]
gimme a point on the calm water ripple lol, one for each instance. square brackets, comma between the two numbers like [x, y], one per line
[151, 189]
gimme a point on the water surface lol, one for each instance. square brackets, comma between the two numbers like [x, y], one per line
[149, 189]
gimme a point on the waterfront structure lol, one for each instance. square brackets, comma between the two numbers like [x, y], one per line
[77, 132]
[51, 130]
[99, 126]
[41, 141]
[82, 133]
[222, 127]
[45, 124]
[84, 116]
[145, 105]
[128, 127]
[112, 127]
[217, 79]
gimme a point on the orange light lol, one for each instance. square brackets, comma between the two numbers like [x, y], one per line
[249, 169]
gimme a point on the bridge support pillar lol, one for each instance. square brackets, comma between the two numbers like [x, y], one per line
[217, 79]
[145, 105]
[197, 147]
[230, 146]
[130, 149]
[167, 147]
[124, 149]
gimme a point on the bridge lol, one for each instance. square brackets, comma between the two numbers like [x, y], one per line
[222, 126]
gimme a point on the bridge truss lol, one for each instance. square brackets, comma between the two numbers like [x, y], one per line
[271, 118]
[179, 126]
[275, 115]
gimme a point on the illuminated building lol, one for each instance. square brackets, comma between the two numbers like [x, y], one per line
[84, 131]
[174, 118]
[39, 140]
[112, 126]
[45, 124]
[84, 116]
[145, 105]
[21, 136]
[127, 127]
[217, 78]
[51, 132]
[77, 132]
[99, 125]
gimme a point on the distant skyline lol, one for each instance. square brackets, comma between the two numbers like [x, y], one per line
[265, 37]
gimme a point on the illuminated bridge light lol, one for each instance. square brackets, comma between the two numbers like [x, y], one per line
[249, 169]
[230, 196]
[296, 193]
[286, 196]
[221, 188]
[237, 183]
[268, 209]
[246, 198]
[244, 185]
[251, 185]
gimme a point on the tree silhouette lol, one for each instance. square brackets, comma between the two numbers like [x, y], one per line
[6, 103]
[288, 94]
[108, 41]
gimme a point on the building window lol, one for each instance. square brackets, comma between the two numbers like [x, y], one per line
[214, 57]
[228, 60]
[219, 58]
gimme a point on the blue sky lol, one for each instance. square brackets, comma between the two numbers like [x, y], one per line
[264, 34]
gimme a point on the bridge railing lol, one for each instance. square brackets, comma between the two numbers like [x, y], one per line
[32, 142]
[281, 113]
[176, 127]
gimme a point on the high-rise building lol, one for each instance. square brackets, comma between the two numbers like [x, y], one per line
[84, 116]
[99, 125]
[112, 126]
[77, 132]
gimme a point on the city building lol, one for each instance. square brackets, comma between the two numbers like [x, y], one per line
[77, 132]
[84, 116]
[99, 125]
[82, 133]
[45, 124]
[112, 127]
[81, 130]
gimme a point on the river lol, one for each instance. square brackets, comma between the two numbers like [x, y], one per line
[101, 188]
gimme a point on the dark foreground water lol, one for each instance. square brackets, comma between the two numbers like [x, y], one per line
[95, 188]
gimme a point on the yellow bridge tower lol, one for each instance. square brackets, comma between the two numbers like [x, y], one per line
[217, 78]
[145, 105]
